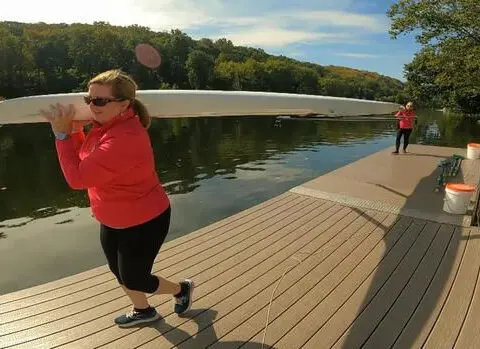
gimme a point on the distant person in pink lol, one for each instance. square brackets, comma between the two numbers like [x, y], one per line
[406, 116]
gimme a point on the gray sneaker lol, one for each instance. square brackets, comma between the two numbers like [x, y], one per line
[183, 302]
[135, 318]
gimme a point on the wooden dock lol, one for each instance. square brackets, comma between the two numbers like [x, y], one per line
[362, 257]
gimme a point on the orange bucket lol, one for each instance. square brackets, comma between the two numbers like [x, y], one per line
[459, 187]
[457, 197]
[473, 151]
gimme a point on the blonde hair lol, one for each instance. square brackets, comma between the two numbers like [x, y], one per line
[123, 87]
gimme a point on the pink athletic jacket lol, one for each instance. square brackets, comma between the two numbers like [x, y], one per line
[409, 118]
[115, 163]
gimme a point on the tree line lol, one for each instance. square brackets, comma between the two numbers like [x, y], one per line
[55, 58]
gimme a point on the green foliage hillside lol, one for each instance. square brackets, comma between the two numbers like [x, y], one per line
[53, 58]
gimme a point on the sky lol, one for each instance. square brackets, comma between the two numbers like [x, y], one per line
[351, 33]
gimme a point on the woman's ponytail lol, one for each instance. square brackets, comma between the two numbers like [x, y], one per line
[142, 113]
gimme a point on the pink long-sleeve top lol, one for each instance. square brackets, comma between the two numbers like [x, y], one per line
[407, 118]
[115, 163]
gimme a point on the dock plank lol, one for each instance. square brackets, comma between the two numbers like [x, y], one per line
[470, 333]
[314, 269]
[325, 277]
[369, 275]
[365, 308]
[450, 320]
[423, 319]
[393, 322]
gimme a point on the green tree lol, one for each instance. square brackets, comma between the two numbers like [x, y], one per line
[207, 46]
[447, 70]
[251, 76]
[306, 80]
[16, 64]
[200, 67]
[280, 77]
[178, 47]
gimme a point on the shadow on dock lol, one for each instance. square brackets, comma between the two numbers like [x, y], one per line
[206, 332]
[406, 328]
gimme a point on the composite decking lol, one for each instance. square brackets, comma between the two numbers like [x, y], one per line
[324, 269]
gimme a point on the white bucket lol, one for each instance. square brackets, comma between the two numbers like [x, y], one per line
[457, 198]
[473, 151]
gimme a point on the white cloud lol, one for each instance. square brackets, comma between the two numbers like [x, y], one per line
[158, 15]
[359, 55]
[210, 18]
[278, 37]
[31, 11]
[173, 14]
[343, 19]
[312, 19]
[294, 53]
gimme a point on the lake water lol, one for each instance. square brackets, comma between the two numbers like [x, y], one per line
[211, 168]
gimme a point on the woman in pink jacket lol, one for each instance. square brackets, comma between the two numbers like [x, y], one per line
[406, 117]
[115, 164]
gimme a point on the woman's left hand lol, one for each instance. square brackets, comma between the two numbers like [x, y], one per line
[60, 117]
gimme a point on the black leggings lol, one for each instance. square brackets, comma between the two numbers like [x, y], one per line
[406, 136]
[131, 252]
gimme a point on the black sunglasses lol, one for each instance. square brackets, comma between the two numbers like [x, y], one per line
[101, 102]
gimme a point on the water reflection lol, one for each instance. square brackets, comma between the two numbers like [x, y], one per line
[189, 152]
[447, 130]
